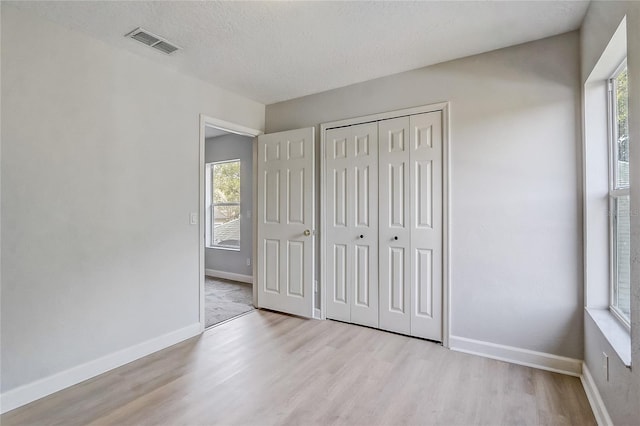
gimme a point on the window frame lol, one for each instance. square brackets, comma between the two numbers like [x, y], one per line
[211, 205]
[615, 192]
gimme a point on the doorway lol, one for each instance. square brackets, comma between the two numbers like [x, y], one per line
[227, 228]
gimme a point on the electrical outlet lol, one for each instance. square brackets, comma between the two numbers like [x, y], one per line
[248, 261]
[605, 365]
[193, 218]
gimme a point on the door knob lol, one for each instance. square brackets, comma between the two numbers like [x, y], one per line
[307, 232]
[395, 238]
[361, 236]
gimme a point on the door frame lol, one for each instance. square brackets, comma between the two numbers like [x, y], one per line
[444, 107]
[206, 121]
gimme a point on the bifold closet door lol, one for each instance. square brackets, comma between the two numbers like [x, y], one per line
[410, 238]
[425, 173]
[394, 225]
[352, 223]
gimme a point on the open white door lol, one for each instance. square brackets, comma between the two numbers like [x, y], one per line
[286, 240]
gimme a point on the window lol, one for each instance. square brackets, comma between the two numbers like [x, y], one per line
[619, 201]
[223, 200]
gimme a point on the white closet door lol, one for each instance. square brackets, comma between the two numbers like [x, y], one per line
[426, 225]
[285, 221]
[395, 225]
[352, 223]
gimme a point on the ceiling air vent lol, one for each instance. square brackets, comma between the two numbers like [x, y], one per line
[152, 40]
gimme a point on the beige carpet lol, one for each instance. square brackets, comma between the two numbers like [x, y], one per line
[225, 299]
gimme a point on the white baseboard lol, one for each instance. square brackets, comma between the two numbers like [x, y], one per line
[593, 395]
[30, 392]
[529, 358]
[229, 276]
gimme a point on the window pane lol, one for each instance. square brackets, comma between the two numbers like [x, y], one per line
[622, 128]
[226, 205]
[622, 235]
[226, 227]
[226, 182]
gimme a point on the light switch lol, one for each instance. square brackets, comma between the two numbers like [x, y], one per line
[193, 218]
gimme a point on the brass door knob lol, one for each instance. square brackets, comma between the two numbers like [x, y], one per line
[307, 232]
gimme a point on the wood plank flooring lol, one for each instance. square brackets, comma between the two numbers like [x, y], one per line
[266, 368]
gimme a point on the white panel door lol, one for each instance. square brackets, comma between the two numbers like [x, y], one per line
[426, 225]
[394, 225]
[351, 168]
[285, 221]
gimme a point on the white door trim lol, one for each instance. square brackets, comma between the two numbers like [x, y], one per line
[231, 128]
[446, 197]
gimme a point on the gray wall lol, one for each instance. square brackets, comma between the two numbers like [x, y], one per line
[516, 218]
[620, 393]
[100, 159]
[229, 147]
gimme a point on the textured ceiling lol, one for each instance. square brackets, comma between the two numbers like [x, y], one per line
[274, 51]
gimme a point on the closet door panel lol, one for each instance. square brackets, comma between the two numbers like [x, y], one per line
[426, 225]
[394, 225]
[352, 224]
[338, 256]
[364, 165]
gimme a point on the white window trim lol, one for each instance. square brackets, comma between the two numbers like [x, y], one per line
[210, 206]
[595, 203]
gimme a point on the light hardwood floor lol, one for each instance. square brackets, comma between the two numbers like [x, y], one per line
[266, 368]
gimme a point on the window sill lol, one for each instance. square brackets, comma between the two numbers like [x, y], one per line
[223, 248]
[615, 333]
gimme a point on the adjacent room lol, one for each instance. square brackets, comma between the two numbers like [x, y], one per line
[320, 212]
[228, 186]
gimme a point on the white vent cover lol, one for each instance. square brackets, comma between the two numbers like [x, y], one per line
[152, 40]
